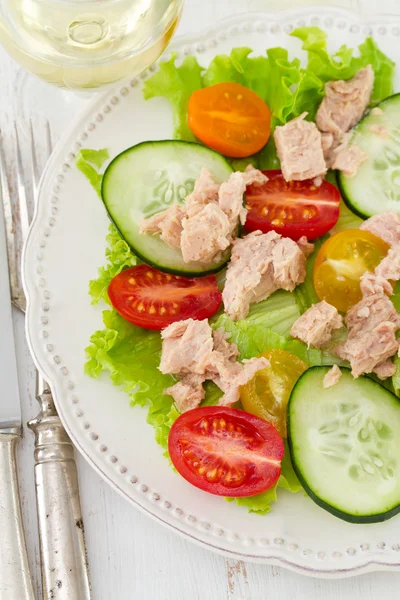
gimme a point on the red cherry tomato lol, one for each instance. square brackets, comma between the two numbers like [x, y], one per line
[225, 451]
[294, 208]
[152, 299]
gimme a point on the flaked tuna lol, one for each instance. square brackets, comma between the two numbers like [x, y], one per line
[342, 107]
[261, 264]
[305, 246]
[316, 325]
[389, 267]
[187, 347]
[168, 224]
[347, 159]
[345, 102]
[371, 284]
[332, 377]
[372, 324]
[386, 226]
[208, 221]
[205, 234]
[187, 393]
[231, 380]
[195, 353]
[205, 191]
[299, 148]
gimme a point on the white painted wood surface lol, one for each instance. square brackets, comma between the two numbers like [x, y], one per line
[130, 556]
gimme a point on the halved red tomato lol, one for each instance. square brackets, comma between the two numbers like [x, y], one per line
[293, 208]
[230, 119]
[152, 299]
[225, 451]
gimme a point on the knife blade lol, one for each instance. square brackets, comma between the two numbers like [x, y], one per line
[10, 407]
[15, 578]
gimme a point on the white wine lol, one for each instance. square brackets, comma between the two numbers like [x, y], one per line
[86, 44]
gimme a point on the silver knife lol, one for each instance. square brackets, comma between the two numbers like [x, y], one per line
[15, 578]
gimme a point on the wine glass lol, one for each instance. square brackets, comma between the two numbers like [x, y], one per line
[87, 44]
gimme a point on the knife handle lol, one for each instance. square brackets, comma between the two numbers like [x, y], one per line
[15, 578]
[62, 543]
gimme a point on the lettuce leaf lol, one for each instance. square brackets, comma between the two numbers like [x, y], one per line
[89, 162]
[119, 257]
[284, 85]
[176, 84]
[305, 293]
[256, 336]
[343, 64]
[131, 356]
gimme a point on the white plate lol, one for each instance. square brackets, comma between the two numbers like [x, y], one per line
[66, 246]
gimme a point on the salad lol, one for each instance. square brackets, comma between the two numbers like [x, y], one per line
[252, 276]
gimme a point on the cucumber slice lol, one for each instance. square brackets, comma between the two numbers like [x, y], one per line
[376, 186]
[147, 179]
[345, 445]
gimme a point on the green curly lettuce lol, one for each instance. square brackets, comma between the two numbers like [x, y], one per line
[89, 162]
[343, 64]
[119, 257]
[176, 84]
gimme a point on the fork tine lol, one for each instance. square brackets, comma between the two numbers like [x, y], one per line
[34, 164]
[9, 222]
[22, 197]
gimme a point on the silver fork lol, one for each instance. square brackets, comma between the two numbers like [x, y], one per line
[61, 533]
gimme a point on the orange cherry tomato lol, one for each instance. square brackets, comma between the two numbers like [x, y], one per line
[230, 119]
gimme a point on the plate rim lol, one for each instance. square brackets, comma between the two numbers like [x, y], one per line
[275, 556]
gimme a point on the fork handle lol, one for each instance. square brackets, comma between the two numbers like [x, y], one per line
[62, 543]
[15, 578]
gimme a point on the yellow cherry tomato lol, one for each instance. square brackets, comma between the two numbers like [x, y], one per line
[267, 394]
[341, 262]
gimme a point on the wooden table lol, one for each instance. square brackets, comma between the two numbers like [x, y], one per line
[130, 556]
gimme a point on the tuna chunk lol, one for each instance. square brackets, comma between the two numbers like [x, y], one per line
[305, 246]
[371, 284]
[205, 235]
[385, 369]
[168, 223]
[345, 158]
[187, 347]
[253, 176]
[372, 324]
[195, 353]
[233, 378]
[386, 226]
[261, 264]
[316, 325]
[389, 267]
[230, 199]
[228, 350]
[187, 393]
[332, 377]
[208, 221]
[343, 106]
[205, 191]
[345, 102]
[299, 148]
